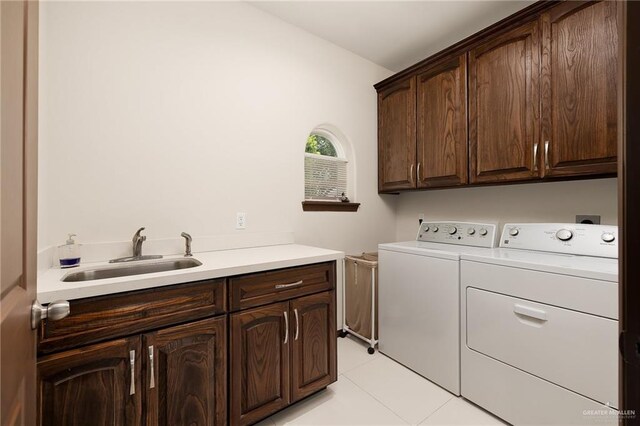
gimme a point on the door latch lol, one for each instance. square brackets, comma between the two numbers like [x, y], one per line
[53, 311]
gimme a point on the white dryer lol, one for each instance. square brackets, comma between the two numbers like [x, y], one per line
[539, 341]
[419, 297]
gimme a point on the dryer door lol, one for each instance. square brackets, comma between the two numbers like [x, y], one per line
[574, 350]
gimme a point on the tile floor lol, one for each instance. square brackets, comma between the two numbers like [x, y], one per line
[375, 390]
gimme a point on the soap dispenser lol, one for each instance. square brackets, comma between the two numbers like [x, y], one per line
[69, 253]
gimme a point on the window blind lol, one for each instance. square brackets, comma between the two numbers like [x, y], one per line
[325, 178]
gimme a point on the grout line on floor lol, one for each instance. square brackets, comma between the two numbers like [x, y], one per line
[378, 401]
[438, 409]
[373, 357]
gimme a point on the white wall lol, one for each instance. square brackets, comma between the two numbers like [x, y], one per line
[537, 202]
[175, 116]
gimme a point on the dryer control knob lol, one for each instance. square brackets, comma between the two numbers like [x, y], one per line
[564, 235]
[513, 232]
[472, 231]
[453, 230]
[608, 237]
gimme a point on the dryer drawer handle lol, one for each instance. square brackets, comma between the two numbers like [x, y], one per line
[526, 311]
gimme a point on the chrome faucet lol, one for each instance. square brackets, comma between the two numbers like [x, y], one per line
[187, 244]
[137, 242]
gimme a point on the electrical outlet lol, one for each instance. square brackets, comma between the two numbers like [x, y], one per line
[241, 220]
[591, 219]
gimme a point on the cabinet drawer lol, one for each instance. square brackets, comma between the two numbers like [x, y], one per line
[105, 317]
[266, 287]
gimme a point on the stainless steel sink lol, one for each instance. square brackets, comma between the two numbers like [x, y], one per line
[131, 269]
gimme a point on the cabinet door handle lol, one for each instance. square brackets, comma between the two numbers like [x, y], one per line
[152, 379]
[418, 171]
[535, 156]
[279, 286]
[295, 311]
[132, 362]
[286, 327]
[546, 154]
[411, 173]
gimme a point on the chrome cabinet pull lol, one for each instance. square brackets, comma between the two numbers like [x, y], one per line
[132, 361]
[286, 327]
[535, 156]
[546, 154]
[295, 311]
[152, 380]
[279, 286]
[418, 172]
[411, 173]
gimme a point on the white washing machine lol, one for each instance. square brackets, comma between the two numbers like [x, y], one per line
[539, 342]
[419, 297]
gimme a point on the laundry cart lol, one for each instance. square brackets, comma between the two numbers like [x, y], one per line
[360, 298]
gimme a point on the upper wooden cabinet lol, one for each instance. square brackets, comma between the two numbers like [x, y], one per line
[579, 82]
[504, 105]
[532, 97]
[397, 136]
[442, 124]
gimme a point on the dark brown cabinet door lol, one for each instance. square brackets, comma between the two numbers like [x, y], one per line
[313, 354]
[260, 380]
[579, 80]
[185, 374]
[96, 385]
[442, 124]
[504, 105]
[397, 136]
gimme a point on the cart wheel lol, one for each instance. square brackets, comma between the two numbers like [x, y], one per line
[342, 334]
[371, 351]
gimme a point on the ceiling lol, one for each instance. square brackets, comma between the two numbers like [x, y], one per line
[393, 34]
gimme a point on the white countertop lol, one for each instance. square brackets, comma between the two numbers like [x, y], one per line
[215, 264]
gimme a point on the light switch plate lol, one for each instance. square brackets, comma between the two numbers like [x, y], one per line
[591, 219]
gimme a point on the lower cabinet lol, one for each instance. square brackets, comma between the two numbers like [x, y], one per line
[260, 368]
[170, 358]
[93, 385]
[281, 353]
[313, 360]
[174, 376]
[185, 374]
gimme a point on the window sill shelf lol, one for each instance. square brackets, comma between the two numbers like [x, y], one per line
[329, 206]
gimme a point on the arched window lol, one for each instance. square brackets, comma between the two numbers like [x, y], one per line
[325, 168]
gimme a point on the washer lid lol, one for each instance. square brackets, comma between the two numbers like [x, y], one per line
[438, 250]
[598, 268]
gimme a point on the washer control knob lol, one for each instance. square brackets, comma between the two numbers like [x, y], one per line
[472, 231]
[564, 235]
[513, 232]
[426, 228]
[483, 231]
[453, 230]
[435, 229]
[608, 237]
